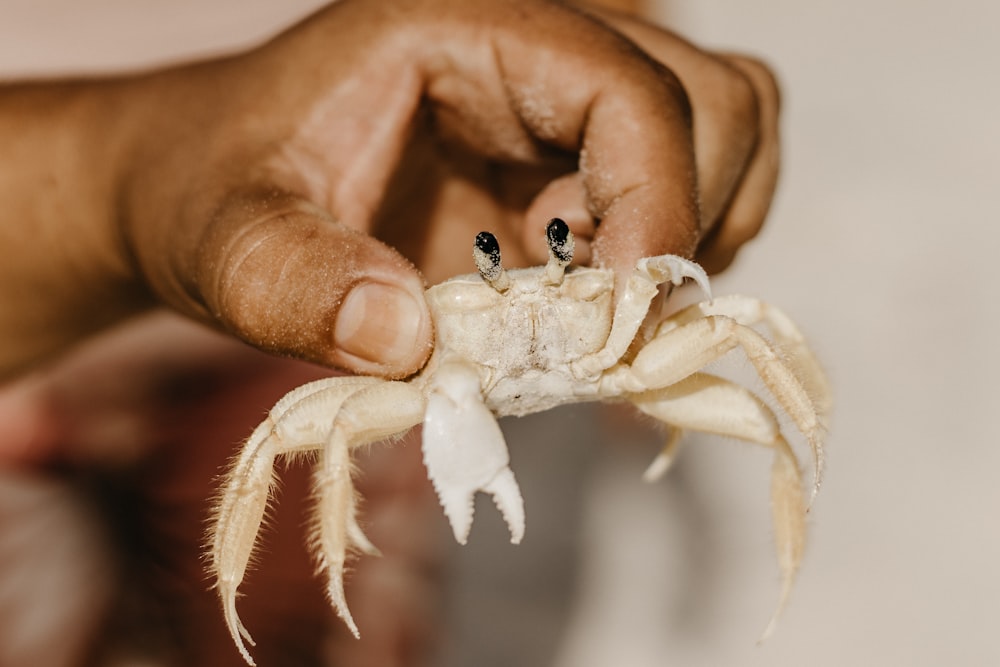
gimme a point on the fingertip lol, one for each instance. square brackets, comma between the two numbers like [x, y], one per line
[640, 225]
[383, 328]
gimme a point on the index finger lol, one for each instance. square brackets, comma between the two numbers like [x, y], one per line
[630, 120]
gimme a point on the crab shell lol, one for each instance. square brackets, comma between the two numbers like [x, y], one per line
[523, 340]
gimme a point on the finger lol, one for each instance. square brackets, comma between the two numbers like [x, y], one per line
[281, 274]
[638, 164]
[626, 116]
[744, 217]
[724, 108]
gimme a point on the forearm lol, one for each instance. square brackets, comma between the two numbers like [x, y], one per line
[66, 270]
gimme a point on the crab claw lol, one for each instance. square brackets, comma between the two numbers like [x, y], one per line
[673, 269]
[465, 452]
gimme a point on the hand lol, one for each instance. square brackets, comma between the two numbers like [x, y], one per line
[735, 103]
[248, 192]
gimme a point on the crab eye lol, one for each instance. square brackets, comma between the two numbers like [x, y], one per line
[486, 253]
[561, 244]
[560, 240]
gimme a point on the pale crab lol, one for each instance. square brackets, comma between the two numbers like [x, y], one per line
[516, 342]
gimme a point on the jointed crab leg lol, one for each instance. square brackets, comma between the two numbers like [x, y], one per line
[665, 459]
[675, 354]
[642, 287]
[710, 404]
[300, 421]
[362, 419]
[750, 311]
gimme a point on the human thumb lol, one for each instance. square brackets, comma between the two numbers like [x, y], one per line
[280, 273]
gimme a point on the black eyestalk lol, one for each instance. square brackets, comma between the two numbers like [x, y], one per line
[486, 253]
[561, 247]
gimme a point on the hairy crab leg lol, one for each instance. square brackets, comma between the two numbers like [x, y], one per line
[370, 415]
[676, 353]
[750, 311]
[703, 402]
[665, 459]
[298, 422]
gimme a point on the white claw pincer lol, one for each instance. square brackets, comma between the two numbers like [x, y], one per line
[465, 452]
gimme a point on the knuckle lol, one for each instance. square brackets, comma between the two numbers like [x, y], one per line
[676, 95]
[730, 132]
[741, 100]
[763, 80]
[731, 110]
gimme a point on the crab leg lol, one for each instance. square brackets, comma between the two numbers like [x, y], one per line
[674, 354]
[298, 422]
[668, 454]
[465, 452]
[642, 286]
[703, 402]
[371, 414]
[750, 311]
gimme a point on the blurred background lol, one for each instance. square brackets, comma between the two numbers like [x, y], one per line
[882, 245]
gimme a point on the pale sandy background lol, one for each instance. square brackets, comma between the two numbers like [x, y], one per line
[883, 245]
